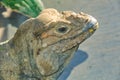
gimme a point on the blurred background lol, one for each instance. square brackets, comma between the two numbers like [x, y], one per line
[99, 56]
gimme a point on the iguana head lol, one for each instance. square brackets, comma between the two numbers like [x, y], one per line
[65, 29]
[53, 37]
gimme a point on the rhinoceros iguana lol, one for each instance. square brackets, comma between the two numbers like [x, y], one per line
[43, 46]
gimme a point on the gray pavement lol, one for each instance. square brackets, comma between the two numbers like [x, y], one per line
[98, 58]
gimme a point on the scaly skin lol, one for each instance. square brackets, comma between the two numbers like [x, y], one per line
[43, 46]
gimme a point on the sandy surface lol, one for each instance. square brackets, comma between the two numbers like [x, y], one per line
[98, 58]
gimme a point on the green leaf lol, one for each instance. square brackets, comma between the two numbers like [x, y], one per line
[31, 8]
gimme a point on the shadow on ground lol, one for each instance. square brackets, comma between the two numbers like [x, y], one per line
[79, 57]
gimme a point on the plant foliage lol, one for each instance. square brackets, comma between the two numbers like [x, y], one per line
[31, 8]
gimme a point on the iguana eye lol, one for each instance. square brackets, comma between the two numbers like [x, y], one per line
[62, 29]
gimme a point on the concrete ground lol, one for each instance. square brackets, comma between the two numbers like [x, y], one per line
[98, 58]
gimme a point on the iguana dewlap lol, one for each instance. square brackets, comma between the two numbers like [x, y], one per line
[43, 46]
